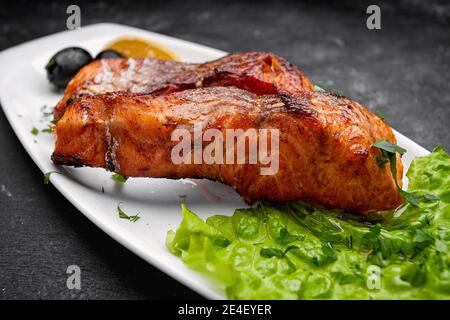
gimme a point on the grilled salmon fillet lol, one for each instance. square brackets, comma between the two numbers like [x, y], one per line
[257, 72]
[325, 153]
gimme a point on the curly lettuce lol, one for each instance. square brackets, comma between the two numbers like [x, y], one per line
[297, 251]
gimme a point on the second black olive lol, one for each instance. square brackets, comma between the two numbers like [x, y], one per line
[105, 54]
[65, 64]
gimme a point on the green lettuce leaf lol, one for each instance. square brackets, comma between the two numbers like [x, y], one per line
[297, 251]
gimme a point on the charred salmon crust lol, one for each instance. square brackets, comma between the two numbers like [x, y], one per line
[325, 153]
[257, 72]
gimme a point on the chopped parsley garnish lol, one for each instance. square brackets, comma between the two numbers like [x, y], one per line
[380, 115]
[372, 234]
[285, 237]
[389, 153]
[47, 130]
[47, 175]
[319, 89]
[381, 160]
[221, 242]
[119, 178]
[50, 63]
[34, 131]
[327, 256]
[334, 93]
[386, 146]
[271, 252]
[123, 215]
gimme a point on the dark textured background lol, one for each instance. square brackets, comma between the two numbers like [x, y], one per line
[402, 71]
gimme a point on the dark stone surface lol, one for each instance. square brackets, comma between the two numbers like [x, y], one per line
[401, 70]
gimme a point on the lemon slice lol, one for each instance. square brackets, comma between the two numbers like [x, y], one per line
[134, 47]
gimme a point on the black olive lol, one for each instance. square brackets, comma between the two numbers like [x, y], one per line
[65, 64]
[105, 54]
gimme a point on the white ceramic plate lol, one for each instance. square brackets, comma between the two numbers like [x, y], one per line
[24, 89]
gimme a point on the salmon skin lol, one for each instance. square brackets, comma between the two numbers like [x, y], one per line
[257, 72]
[325, 154]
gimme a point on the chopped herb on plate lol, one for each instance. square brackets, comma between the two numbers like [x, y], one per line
[47, 175]
[119, 178]
[389, 153]
[35, 131]
[380, 115]
[123, 215]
